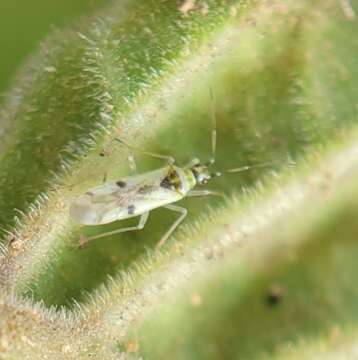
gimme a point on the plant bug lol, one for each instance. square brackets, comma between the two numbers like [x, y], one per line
[137, 195]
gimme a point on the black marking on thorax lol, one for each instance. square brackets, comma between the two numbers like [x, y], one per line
[171, 180]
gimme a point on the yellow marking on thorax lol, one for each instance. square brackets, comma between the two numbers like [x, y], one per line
[189, 178]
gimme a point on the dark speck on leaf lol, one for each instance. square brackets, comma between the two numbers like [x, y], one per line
[274, 295]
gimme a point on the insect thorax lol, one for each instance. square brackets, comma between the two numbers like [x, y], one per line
[178, 179]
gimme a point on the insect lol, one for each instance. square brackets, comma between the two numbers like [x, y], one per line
[137, 195]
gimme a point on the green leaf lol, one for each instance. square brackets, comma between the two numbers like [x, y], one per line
[284, 79]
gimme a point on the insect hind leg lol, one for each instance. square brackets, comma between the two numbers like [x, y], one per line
[132, 164]
[142, 221]
[169, 159]
[183, 212]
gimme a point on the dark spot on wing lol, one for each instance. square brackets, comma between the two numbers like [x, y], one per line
[89, 193]
[121, 183]
[145, 189]
[131, 209]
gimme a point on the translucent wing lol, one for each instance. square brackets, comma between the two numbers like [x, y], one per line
[128, 197]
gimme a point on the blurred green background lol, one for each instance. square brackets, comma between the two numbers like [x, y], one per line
[24, 23]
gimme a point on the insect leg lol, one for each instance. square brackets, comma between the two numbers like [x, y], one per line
[143, 219]
[169, 159]
[132, 164]
[204, 193]
[183, 212]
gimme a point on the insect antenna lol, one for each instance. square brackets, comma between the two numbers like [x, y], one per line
[213, 131]
[241, 169]
[257, 166]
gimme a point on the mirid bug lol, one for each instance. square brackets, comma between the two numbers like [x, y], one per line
[139, 194]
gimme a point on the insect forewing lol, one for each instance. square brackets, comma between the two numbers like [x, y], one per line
[128, 197]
